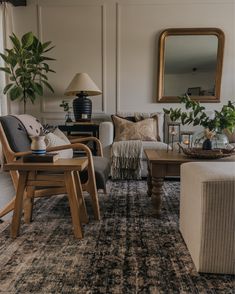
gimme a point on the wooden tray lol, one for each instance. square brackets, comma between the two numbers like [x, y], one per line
[199, 153]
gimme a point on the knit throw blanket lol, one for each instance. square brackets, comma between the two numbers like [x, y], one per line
[126, 160]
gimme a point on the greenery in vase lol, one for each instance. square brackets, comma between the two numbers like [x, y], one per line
[27, 67]
[65, 105]
[196, 115]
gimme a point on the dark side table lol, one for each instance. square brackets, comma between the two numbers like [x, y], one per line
[82, 129]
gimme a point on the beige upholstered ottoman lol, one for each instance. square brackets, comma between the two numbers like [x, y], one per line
[207, 214]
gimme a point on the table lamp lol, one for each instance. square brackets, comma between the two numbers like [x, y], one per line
[82, 86]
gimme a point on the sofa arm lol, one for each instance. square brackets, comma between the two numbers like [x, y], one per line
[106, 134]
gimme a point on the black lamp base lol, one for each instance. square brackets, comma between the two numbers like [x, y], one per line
[82, 108]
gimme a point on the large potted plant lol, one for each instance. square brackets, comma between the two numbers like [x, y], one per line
[27, 68]
[195, 114]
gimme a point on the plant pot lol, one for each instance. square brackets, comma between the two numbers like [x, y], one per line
[207, 144]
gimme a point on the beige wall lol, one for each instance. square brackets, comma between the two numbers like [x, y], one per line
[115, 42]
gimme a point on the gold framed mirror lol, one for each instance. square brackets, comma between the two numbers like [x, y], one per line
[190, 61]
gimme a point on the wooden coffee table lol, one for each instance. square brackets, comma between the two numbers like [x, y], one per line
[163, 164]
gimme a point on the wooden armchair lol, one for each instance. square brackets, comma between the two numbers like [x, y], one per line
[16, 143]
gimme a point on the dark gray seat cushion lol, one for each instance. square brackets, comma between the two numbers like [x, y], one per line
[102, 170]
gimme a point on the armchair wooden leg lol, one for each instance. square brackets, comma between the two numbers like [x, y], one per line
[81, 201]
[8, 208]
[28, 204]
[92, 190]
[29, 200]
[73, 203]
[18, 204]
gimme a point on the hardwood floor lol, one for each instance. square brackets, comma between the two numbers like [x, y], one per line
[6, 191]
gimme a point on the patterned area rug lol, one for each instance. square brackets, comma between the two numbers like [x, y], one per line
[128, 251]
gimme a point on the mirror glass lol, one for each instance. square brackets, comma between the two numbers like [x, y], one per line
[190, 61]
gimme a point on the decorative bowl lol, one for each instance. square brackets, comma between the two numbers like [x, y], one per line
[199, 153]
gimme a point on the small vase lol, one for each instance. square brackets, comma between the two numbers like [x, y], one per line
[38, 145]
[220, 140]
[207, 144]
[68, 118]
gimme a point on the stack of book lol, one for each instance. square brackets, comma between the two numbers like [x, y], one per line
[47, 157]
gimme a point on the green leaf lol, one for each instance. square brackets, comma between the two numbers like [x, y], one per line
[15, 93]
[49, 49]
[51, 70]
[27, 39]
[26, 54]
[46, 44]
[39, 48]
[16, 42]
[4, 57]
[43, 76]
[5, 69]
[18, 72]
[48, 86]
[31, 95]
[167, 111]
[43, 58]
[46, 67]
[5, 90]
[38, 88]
[12, 60]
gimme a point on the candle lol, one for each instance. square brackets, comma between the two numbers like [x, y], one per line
[186, 142]
[173, 131]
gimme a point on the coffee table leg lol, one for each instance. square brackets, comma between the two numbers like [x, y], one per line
[157, 190]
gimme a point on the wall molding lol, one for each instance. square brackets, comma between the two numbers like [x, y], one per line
[117, 57]
[103, 109]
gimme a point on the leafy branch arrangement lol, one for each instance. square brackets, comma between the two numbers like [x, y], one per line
[65, 105]
[27, 68]
[224, 119]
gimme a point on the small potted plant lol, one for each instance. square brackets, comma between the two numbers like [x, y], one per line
[65, 105]
[196, 115]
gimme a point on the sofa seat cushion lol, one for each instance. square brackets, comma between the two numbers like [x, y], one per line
[152, 145]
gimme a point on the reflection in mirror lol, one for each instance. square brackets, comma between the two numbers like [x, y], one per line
[190, 61]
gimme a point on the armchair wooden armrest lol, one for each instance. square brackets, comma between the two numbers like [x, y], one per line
[71, 146]
[86, 139]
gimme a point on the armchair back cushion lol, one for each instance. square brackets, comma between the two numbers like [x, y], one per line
[16, 133]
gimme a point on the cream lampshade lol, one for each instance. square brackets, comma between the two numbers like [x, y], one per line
[82, 86]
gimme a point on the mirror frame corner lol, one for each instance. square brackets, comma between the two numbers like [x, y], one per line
[161, 62]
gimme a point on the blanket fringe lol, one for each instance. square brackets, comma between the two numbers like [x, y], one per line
[126, 160]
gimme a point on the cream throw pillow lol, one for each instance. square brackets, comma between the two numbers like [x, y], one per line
[144, 130]
[57, 138]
